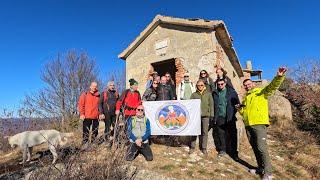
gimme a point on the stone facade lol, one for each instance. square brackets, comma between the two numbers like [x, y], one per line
[192, 48]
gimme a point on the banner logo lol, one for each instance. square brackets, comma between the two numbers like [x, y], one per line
[172, 118]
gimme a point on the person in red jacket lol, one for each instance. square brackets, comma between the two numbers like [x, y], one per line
[129, 100]
[89, 112]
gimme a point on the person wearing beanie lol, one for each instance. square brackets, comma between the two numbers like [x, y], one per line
[129, 100]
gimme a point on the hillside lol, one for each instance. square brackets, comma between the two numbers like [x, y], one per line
[292, 158]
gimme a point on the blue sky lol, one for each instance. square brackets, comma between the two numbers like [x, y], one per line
[271, 33]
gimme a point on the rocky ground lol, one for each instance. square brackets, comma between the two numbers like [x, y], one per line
[176, 163]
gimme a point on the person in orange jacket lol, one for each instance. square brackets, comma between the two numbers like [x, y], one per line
[89, 112]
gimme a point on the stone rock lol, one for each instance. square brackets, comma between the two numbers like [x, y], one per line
[280, 111]
[146, 174]
[194, 158]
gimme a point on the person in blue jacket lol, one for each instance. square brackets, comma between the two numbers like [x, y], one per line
[139, 132]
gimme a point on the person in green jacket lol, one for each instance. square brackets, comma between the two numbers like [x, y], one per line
[254, 109]
[207, 112]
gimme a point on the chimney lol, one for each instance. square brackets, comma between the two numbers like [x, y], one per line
[249, 65]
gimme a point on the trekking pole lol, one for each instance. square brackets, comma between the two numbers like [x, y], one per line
[115, 131]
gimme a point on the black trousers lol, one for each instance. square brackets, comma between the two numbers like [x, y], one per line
[134, 151]
[225, 137]
[109, 121]
[86, 130]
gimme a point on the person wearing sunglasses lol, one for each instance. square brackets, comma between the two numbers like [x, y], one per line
[224, 123]
[207, 112]
[139, 131]
[208, 81]
[152, 76]
[185, 88]
[150, 93]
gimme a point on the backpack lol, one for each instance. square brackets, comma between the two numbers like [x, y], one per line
[126, 94]
[105, 95]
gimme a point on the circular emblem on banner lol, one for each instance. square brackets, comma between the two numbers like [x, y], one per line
[172, 118]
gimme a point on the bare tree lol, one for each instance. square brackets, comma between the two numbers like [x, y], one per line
[119, 78]
[65, 77]
[303, 90]
[307, 72]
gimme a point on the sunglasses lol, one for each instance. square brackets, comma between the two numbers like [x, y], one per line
[186, 76]
[203, 73]
[140, 110]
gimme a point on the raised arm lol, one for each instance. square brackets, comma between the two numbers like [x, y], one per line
[275, 83]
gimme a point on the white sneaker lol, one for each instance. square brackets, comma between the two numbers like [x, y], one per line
[267, 177]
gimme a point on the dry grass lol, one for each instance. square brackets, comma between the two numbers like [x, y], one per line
[294, 155]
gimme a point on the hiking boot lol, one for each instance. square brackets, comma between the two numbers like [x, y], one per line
[256, 171]
[191, 150]
[221, 153]
[204, 151]
[267, 177]
[235, 158]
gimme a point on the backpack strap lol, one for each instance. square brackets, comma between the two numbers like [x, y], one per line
[134, 121]
[105, 96]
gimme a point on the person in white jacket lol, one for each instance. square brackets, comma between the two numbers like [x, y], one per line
[185, 88]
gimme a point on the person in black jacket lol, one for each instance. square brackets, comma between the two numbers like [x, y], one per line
[150, 94]
[164, 91]
[171, 84]
[224, 122]
[107, 108]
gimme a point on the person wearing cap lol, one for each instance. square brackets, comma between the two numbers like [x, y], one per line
[129, 100]
[185, 88]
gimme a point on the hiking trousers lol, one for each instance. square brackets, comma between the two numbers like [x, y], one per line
[86, 130]
[257, 136]
[134, 151]
[203, 138]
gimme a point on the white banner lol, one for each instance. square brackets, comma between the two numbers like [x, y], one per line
[178, 118]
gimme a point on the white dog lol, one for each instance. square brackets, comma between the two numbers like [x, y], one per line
[26, 140]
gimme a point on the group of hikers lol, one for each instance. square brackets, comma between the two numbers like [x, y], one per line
[219, 105]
